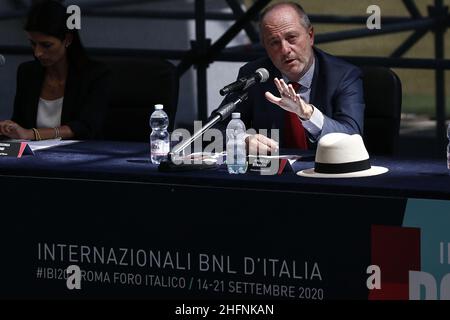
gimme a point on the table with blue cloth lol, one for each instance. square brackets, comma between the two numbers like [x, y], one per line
[97, 220]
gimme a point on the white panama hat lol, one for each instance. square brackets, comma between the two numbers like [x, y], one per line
[340, 155]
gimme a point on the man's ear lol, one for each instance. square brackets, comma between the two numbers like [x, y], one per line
[261, 39]
[311, 35]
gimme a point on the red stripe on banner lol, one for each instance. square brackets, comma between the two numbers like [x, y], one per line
[390, 291]
[396, 250]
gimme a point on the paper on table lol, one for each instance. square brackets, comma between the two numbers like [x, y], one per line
[263, 161]
[44, 144]
[207, 157]
[50, 143]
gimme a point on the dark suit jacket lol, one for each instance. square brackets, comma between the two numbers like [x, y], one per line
[336, 90]
[85, 98]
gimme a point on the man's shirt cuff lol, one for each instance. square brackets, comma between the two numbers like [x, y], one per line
[315, 124]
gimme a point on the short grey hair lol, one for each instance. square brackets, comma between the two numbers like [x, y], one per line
[304, 19]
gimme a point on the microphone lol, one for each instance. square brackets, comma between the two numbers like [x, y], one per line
[2, 60]
[260, 75]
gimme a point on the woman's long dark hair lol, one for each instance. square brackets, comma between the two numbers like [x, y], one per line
[50, 18]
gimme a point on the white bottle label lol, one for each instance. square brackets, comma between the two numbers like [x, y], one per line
[160, 148]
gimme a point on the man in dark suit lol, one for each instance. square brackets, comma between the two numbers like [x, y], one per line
[309, 93]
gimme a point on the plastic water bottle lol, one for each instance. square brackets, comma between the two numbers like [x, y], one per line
[448, 147]
[236, 153]
[159, 138]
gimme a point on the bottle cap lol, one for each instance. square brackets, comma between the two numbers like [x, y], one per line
[159, 106]
[236, 115]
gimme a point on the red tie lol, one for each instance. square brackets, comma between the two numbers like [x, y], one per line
[294, 133]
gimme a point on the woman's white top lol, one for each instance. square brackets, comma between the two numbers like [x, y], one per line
[49, 113]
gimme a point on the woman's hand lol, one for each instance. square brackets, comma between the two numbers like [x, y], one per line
[289, 100]
[14, 131]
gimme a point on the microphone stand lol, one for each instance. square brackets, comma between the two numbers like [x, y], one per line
[221, 114]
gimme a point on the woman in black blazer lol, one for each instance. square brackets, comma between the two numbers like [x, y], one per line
[62, 94]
